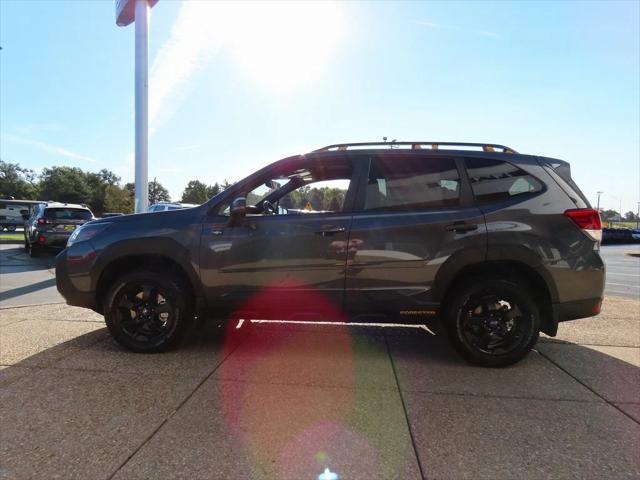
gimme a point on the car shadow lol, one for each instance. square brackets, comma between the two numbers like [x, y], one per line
[16, 260]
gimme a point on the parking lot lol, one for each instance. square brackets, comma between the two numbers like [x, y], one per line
[286, 401]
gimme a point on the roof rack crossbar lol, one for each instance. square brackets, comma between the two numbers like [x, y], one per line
[486, 147]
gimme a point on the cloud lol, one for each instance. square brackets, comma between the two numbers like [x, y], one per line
[47, 147]
[182, 148]
[170, 169]
[484, 33]
[189, 47]
[30, 128]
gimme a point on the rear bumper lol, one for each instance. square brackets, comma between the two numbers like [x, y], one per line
[67, 288]
[56, 240]
[563, 312]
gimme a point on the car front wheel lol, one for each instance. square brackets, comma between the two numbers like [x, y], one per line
[493, 322]
[148, 311]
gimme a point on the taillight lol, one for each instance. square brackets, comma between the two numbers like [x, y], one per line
[588, 220]
[42, 240]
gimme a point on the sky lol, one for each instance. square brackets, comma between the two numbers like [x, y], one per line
[235, 86]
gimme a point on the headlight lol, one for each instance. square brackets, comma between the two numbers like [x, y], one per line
[86, 232]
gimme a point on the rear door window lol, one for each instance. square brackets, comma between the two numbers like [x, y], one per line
[398, 183]
[496, 181]
[62, 214]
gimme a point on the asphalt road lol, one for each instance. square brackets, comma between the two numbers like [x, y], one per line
[623, 270]
[28, 281]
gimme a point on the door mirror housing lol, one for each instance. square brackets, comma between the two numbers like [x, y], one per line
[238, 208]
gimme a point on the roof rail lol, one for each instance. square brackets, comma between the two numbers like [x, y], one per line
[485, 147]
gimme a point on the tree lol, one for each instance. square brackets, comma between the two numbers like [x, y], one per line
[213, 190]
[157, 193]
[609, 215]
[117, 200]
[315, 199]
[630, 216]
[195, 192]
[98, 184]
[17, 182]
[64, 184]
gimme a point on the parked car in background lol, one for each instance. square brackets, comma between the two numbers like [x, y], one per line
[498, 245]
[164, 206]
[14, 212]
[51, 225]
[619, 235]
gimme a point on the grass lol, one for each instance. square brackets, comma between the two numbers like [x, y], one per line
[15, 236]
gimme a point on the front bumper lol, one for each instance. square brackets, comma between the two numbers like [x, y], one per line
[68, 286]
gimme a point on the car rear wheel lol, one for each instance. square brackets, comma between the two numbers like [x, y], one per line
[148, 311]
[34, 250]
[11, 228]
[493, 322]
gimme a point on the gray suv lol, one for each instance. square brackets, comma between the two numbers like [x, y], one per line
[496, 245]
[51, 224]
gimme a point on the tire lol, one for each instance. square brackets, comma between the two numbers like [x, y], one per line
[11, 228]
[148, 311]
[492, 322]
[34, 250]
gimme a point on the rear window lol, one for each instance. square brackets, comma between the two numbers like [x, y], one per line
[67, 214]
[496, 181]
[412, 183]
[562, 176]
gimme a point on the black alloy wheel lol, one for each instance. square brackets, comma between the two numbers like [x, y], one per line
[493, 322]
[148, 311]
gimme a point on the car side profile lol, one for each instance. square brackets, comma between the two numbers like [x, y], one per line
[51, 224]
[497, 245]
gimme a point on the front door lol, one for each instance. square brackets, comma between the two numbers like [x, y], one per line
[286, 258]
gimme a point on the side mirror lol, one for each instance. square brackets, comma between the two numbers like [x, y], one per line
[238, 208]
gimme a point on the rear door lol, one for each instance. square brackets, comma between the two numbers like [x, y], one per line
[414, 215]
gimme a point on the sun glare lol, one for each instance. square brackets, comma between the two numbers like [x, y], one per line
[284, 44]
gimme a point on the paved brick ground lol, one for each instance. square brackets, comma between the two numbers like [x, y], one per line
[286, 402]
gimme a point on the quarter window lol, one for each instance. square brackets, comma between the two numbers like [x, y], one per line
[398, 183]
[495, 181]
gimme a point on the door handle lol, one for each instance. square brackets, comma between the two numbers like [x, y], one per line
[461, 227]
[330, 231]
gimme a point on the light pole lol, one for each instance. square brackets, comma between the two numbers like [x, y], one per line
[638, 217]
[142, 106]
[599, 193]
[128, 11]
